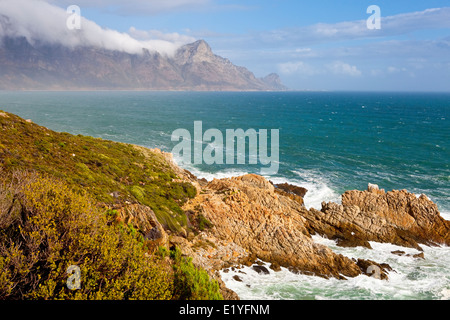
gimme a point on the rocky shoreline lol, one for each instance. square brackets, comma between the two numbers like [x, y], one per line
[220, 224]
[251, 219]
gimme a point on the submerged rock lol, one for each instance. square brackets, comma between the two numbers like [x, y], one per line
[237, 278]
[261, 269]
[403, 253]
[373, 269]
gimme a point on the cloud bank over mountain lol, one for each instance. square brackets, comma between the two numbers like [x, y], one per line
[39, 21]
[310, 46]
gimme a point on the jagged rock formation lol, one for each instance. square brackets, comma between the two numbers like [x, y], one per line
[293, 192]
[396, 217]
[259, 220]
[248, 212]
[193, 67]
[203, 70]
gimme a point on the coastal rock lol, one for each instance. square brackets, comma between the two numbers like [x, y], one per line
[248, 212]
[227, 293]
[373, 269]
[275, 267]
[144, 219]
[261, 269]
[293, 192]
[396, 217]
[374, 188]
[289, 188]
[209, 253]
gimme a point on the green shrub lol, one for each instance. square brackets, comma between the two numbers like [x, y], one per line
[191, 283]
[162, 252]
[138, 193]
[57, 216]
[203, 223]
[47, 227]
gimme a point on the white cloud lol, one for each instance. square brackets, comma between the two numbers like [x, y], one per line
[353, 30]
[146, 35]
[376, 72]
[40, 21]
[301, 68]
[303, 50]
[342, 68]
[297, 67]
[392, 69]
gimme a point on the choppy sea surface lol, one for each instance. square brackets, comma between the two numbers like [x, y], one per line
[329, 142]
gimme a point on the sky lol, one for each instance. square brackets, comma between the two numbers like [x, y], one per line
[312, 45]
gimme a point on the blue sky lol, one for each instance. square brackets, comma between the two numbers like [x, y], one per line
[312, 45]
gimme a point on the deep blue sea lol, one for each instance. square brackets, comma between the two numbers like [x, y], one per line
[329, 142]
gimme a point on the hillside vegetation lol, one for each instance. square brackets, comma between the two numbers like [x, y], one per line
[56, 195]
[110, 172]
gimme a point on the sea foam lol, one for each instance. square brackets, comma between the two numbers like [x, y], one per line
[411, 278]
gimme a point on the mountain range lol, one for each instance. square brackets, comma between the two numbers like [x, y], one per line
[39, 65]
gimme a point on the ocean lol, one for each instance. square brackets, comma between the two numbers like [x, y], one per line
[329, 142]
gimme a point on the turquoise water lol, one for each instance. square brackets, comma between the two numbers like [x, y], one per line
[329, 143]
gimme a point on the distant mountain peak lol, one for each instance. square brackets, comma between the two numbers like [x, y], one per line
[194, 66]
[196, 52]
[201, 45]
[273, 80]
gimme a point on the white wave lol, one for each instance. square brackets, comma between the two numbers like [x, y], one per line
[319, 188]
[228, 173]
[218, 175]
[445, 294]
[412, 279]
[445, 214]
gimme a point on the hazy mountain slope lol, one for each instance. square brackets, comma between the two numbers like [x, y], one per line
[194, 67]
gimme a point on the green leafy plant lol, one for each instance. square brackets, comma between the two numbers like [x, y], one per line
[46, 226]
[191, 283]
[203, 223]
[56, 195]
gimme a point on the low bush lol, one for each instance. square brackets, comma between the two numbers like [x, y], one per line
[191, 283]
[46, 227]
